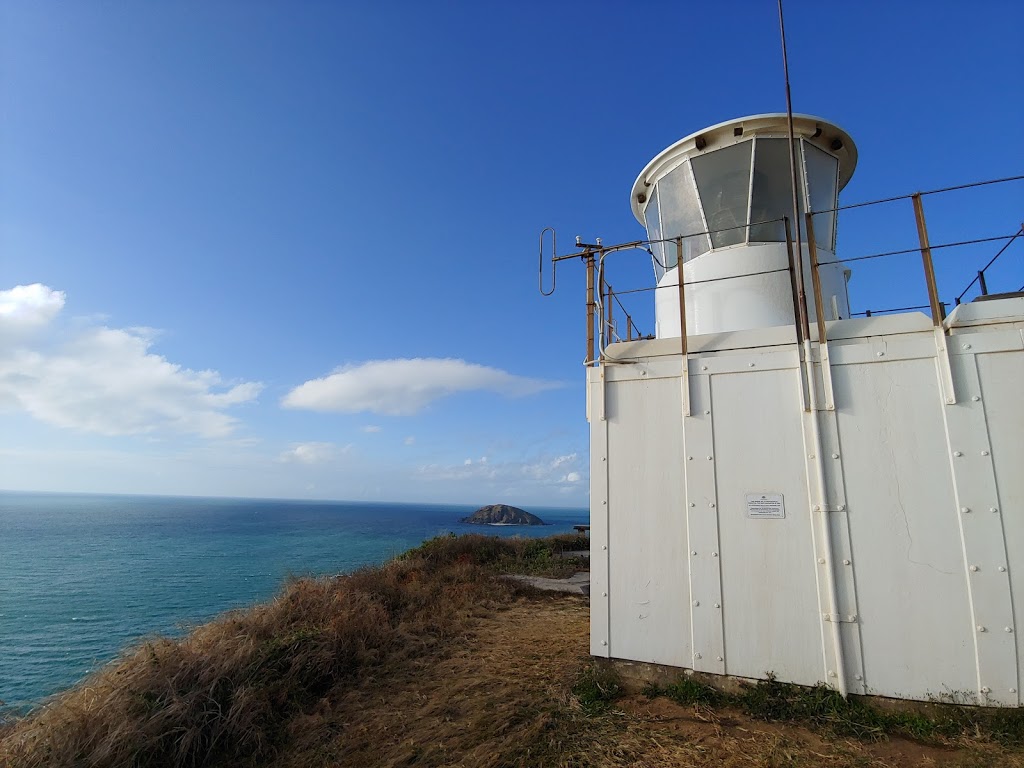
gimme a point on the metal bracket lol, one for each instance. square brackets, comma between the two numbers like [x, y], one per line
[945, 368]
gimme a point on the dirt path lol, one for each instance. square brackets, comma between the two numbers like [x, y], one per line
[503, 697]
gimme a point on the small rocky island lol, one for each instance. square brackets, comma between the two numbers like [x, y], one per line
[502, 514]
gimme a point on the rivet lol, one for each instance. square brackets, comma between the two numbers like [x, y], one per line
[846, 562]
[714, 554]
[689, 458]
[879, 354]
[693, 504]
[703, 367]
[981, 628]
[821, 560]
[831, 673]
[842, 507]
[719, 658]
[835, 455]
[824, 616]
[696, 603]
[957, 453]
[604, 594]
[817, 508]
[852, 617]
[974, 568]
[1013, 690]
[696, 655]
[985, 689]
[950, 400]
[993, 509]
[604, 458]
[965, 510]
[858, 677]
[710, 458]
[604, 502]
[718, 605]
[750, 365]
[643, 373]
[707, 413]
[1008, 629]
[967, 346]
[712, 505]
[810, 455]
[975, 398]
[984, 453]
[604, 546]
[694, 552]
[1002, 569]
[604, 642]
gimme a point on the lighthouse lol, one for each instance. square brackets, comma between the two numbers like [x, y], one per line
[717, 201]
[780, 486]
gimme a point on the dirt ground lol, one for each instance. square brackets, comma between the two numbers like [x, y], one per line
[503, 697]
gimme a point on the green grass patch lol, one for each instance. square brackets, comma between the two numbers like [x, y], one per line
[596, 688]
[825, 709]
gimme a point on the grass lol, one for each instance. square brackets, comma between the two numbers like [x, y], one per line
[824, 709]
[431, 660]
[228, 692]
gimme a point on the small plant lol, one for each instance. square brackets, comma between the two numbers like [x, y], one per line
[595, 689]
[824, 708]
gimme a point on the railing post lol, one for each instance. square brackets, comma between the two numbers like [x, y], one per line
[683, 345]
[796, 279]
[590, 308]
[682, 294]
[608, 338]
[812, 250]
[981, 282]
[926, 259]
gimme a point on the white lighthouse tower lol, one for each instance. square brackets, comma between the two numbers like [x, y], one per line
[725, 192]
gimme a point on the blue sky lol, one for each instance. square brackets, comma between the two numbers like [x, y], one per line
[289, 249]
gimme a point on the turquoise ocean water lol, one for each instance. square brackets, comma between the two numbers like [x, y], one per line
[84, 576]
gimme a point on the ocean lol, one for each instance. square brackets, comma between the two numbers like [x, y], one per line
[83, 577]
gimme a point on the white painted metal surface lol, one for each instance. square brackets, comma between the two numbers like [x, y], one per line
[899, 573]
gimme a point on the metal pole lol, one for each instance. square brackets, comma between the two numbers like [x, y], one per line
[682, 296]
[981, 282]
[812, 249]
[799, 261]
[926, 259]
[609, 324]
[589, 258]
[796, 279]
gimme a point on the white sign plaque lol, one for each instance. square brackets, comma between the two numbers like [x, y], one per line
[766, 505]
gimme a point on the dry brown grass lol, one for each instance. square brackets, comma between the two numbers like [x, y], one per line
[231, 689]
[427, 661]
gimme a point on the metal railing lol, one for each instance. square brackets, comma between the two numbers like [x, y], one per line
[603, 327]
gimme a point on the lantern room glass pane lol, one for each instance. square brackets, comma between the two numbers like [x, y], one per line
[680, 215]
[723, 181]
[653, 222]
[822, 183]
[772, 192]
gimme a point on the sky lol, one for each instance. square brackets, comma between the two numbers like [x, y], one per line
[289, 249]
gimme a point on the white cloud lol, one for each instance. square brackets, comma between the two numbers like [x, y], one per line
[405, 386]
[410, 440]
[371, 429]
[107, 381]
[312, 453]
[534, 474]
[29, 306]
